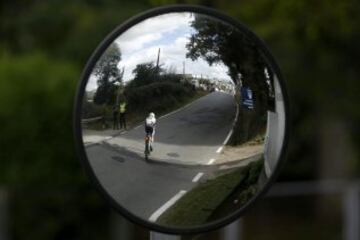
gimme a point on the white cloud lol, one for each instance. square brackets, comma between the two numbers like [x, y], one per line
[173, 54]
[133, 44]
[170, 33]
[150, 30]
[91, 84]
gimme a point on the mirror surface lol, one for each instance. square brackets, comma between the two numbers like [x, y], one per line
[182, 119]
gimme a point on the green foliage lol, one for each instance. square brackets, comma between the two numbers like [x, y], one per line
[216, 41]
[45, 44]
[40, 213]
[162, 2]
[36, 98]
[198, 205]
[158, 97]
[153, 89]
[243, 192]
[215, 198]
[91, 110]
[108, 75]
[106, 67]
[254, 171]
[249, 124]
[317, 48]
[167, 2]
[145, 73]
[67, 29]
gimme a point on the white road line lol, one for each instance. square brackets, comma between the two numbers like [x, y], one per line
[228, 137]
[211, 161]
[197, 177]
[230, 132]
[167, 205]
[236, 115]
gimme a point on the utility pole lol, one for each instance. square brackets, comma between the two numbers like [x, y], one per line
[158, 60]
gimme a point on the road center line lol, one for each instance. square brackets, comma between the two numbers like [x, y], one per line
[211, 161]
[167, 205]
[197, 177]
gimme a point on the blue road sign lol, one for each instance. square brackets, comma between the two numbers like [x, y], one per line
[247, 97]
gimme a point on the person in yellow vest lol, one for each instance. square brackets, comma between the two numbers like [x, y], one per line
[122, 118]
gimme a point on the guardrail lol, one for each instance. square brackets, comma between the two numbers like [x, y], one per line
[349, 190]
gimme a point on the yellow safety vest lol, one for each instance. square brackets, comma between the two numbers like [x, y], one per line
[122, 107]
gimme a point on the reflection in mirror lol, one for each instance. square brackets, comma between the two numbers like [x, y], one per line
[183, 119]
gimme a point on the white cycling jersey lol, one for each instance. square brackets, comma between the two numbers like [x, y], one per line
[149, 121]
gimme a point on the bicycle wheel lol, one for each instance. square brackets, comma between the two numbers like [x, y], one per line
[147, 150]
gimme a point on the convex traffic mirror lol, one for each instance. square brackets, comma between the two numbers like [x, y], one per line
[181, 119]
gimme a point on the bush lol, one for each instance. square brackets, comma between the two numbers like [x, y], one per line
[36, 99]
[90, 110]
[157, 97]
[254, 171]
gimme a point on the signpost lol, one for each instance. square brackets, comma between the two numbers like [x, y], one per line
[247, 97]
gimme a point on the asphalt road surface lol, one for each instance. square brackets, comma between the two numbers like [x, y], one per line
[187, 142]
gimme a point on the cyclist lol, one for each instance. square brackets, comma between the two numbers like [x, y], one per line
[150, 122]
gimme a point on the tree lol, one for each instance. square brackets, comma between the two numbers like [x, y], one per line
[146, 73]
[108, 75]
[218, 42]
[317, 48]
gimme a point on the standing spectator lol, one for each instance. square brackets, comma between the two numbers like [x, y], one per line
[115, 117]
[122, 109]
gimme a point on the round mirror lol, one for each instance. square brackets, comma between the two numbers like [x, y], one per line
[181, 119]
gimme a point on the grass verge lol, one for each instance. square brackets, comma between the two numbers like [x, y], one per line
[214, 198]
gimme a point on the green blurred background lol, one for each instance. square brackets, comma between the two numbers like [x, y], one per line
[44, 193]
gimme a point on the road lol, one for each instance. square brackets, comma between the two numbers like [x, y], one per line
[187, 143]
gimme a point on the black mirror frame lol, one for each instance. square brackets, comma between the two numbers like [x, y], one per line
[78, 108]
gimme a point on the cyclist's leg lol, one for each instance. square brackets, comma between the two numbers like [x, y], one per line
[152, 139]
[147, 139]
[146, 144]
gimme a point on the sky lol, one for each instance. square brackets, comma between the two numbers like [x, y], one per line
[169, 32]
